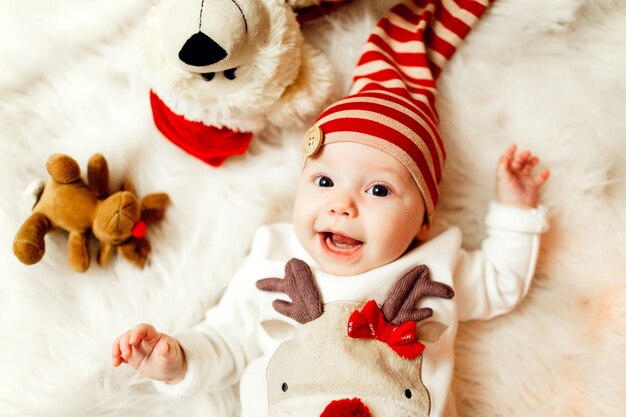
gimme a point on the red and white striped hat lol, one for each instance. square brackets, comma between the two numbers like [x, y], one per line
[391, 105]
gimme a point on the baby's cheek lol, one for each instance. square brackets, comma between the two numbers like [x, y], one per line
[303, 229]
[401, 239]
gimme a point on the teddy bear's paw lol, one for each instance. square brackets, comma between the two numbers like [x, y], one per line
[105, 252]
[27, 252]
[29, 245]
[78, 251]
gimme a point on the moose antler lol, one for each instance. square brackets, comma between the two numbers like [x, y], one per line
[401, 300]
[298, 284]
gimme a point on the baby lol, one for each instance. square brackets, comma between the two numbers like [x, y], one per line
[363, 218]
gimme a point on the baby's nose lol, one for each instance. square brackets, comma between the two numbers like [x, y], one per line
[344, 206]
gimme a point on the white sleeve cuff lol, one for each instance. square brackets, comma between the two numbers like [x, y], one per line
[199, 357]
[517, 218]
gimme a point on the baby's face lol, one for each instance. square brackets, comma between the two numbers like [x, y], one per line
[357, 208]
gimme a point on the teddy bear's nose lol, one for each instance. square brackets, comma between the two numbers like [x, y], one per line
[200, 50]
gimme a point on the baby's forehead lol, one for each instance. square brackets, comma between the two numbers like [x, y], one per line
[356, 156]
[346, 151]
[357, 159]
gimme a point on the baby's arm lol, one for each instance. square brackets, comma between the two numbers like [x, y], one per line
[493, 280]
[155, 355]
[515, 183]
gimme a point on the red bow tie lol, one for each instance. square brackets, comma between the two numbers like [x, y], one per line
[369, 323]
[208, 143]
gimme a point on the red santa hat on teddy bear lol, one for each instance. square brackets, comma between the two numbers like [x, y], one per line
[391, 105]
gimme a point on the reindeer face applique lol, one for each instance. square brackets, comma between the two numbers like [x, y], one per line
[352, 358]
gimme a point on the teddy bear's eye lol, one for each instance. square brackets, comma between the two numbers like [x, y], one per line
[284, 387]
[230, 73]
[408, 393]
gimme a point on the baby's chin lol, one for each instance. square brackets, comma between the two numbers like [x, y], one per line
[342, 269]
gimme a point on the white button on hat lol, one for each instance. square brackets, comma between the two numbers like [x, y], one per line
[313, 140]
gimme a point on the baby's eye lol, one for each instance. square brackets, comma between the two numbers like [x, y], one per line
[378, 190]
[323, 181]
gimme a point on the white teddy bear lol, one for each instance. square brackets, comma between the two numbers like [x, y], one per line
[223, 69]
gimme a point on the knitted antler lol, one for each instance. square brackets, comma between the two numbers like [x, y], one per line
[401, 300]
[298, 284]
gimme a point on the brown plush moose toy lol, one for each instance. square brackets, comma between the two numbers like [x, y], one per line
[68, 202]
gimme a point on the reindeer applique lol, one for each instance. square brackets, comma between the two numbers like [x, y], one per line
[352, 358]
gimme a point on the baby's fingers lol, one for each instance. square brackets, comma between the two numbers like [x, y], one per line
[116, 353]
[510, 152]
[542, 177]
[504, 166]
[529, 164]
[117, 361]
[124, 347]
[120, 351]
[521, 160]
[165, 348]
[142, 332]
[168, 348]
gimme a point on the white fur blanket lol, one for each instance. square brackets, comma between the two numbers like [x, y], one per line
[547, 75]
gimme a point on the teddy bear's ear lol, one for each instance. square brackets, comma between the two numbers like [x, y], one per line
[153, 207]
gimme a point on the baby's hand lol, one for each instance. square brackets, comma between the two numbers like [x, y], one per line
[515, 183]
[155, 355]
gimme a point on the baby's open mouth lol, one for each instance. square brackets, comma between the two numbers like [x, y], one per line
[340, 245]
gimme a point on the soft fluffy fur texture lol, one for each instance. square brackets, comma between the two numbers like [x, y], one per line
[546, 75]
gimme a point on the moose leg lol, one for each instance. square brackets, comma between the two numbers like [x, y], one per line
[98, 175]
[78, 251]
[29, 245]
[62, 168]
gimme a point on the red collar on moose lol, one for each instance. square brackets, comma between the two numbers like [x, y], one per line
[207, 143]
[369, 323]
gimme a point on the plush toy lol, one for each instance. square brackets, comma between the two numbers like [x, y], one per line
[222, 70]
[69, 203]
[353, 358]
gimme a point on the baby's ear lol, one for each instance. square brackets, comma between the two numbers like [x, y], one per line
[422, 233]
